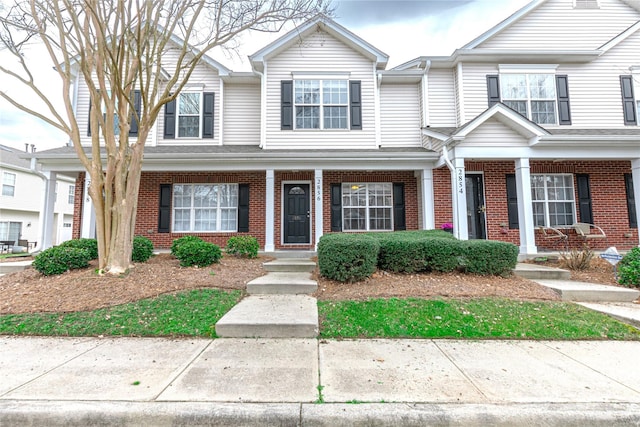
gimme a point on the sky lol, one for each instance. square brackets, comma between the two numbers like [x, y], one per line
[403, 29]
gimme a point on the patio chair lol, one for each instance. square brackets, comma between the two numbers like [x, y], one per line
[590, 232]
[556, 235]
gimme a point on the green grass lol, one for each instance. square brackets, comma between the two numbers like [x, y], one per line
[474, 318]
[192, 313]
[21, 255]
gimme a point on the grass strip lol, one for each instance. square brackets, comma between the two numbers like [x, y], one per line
[473, 318]
[192, 313]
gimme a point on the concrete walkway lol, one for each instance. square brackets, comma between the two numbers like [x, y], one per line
[309, 382]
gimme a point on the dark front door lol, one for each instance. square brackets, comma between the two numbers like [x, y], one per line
[296, 213]
[475, 207]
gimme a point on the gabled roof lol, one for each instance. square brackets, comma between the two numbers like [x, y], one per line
[10, 157]
[326, 24]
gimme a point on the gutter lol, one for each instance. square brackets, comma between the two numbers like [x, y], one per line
[41, 218]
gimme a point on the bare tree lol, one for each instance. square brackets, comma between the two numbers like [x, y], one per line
[117, 47]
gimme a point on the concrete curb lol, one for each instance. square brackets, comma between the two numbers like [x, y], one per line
[82, 413]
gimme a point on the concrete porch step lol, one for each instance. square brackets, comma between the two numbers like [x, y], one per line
[271, 316]
[540, 272]
[13, 266]
[283, 283]
[279, 254]
[290, 265]
[590, 292]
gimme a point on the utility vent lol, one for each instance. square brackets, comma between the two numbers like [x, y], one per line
[586, 4]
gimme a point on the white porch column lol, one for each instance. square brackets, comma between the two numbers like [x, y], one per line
[270, 207]
[459, 193]
[427, 196]
[525, 208]
[318, 205]
[635, 177]
[88, 224]
[48, 207]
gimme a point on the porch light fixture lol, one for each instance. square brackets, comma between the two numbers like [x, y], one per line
[355, 187]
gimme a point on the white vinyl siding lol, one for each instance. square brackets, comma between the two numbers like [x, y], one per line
[320, 53]
[400, 115]
[241, 114]
[442, 98]
[556, 24]
[494, 133]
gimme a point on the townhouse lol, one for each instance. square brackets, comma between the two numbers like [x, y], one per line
[531, 126]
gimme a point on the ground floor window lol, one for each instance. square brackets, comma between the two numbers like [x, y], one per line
[553, 200]
[205, 207]
[10, 231]
[367, 206]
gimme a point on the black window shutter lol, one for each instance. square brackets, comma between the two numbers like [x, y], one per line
[512, 202]
[336, 207]
[170, 120]
[562, 91]
[164, 213]
[207, 114]
[493, 89]
[355, 104]
[286, 105]
[628, 102]
[399, 216]
[631, 201]
[137, 104]
[243, 208]
[584, 198]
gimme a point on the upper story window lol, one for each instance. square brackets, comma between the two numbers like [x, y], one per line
[72, 190]
[8, 184]
[190, 115]
[534, 91]
[532, 95]
[321, 104]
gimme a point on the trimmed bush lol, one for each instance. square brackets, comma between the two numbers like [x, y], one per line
[488, 257]
[90, 245]
[59, 259]
[198, 253]
[243, 246]
[142, 249]
[415, 251]
[347, 257]
[629, 269]
[182, 240]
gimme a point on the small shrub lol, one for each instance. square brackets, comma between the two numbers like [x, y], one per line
[198, 253]
[487, 257]
[59, 259]
[142, 249]
[410, 252]
[347, 257]
[629, 269]
[90, 245]
[243, 246]
[182, 240]
[576, 259]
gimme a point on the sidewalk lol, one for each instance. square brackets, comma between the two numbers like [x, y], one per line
[149, 381]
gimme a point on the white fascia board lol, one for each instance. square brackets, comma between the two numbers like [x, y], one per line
[502, 25]
[620, 37]
[506, 116]
[527, 68]
[433, 134]
[558, 153]
[510, 55]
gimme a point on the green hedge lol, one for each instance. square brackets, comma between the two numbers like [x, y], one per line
[182, 240]
[347, 257]
[90, 245]
[243, 246]
[142, 249]
[629, 269]
[343, 257]
[198, 253]
[58, 259]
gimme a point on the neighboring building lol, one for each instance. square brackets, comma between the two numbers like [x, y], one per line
[532, 124]
[21, 201]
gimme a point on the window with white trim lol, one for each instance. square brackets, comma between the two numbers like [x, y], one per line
[532, 95]
[10, 231]
[321, 104]
[367, 206]
[189, 109]
[553, 200]
[205, 207]
[8, 184]
[72, 191]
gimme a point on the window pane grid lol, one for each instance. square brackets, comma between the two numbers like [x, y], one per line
[531, 95]
[553, 200]
[189, 115]
[367, 207]
[205, 207]
[8, 184]
[321, 104]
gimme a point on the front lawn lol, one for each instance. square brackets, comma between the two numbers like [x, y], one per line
[192, 313]
[473, 318]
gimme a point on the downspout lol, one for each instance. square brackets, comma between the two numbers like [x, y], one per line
[41, 218]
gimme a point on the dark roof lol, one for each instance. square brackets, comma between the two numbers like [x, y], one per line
[13, 157]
